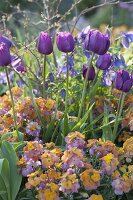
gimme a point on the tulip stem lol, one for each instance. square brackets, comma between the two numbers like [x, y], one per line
[12, 102]
[85, 87]
[65, 131]
[118, 115]
[44, 77]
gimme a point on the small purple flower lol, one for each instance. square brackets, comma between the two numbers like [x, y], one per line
[44, 43]
[5, 40]
[33, 129]
[18, 64]
[108, 77]
[65, 42]
[118, 62]
[123, 81]
[127, 38]
[5, 57]
[51, 77]
[103, 62]
[82, 35]
[91, 73]
[97, 42]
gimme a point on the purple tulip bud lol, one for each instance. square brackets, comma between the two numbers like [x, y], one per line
[18, 64]
[104, 62]
[6, 41]
[123, 81]
[44, 43]
[65, 42]
[91, 74]
[5, 57]
[97, 42]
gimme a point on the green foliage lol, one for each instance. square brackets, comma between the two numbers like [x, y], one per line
[10, 179]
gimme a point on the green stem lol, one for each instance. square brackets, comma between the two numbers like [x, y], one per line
[65, 128]
[44, 77]
[118, 115]
[13, 107]
[84, 89]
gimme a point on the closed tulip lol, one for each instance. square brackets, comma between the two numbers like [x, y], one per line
[104, 61]
[65, 42]
[91, 74]
[5, 57]
[123, 81]
[44, 43]
[97, 42]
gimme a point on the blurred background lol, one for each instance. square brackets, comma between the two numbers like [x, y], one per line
[31, 16]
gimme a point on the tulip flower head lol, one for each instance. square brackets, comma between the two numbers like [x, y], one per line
[91, 74]
[5, 57]
[97, 42]
[65, 42]
[123, 81]
[44, 43]
[104, 61]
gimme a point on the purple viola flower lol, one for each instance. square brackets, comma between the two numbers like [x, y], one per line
[123, 81]
[63, 93]
[118, 62]
[44, 43]
[72, 71]
[51, 77]
[33, 129]
[127, 38]
[108, 77]
[5, 57]
[5, 40]
[91, 73]
[103, 62]
[18, 64]
[65, 42]
[82, 35]
[97, 42]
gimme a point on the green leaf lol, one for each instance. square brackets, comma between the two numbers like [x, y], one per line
[107, 130]
[4, 179]
[87, 128]
[50, 129]
[80, 124]
[15, 179]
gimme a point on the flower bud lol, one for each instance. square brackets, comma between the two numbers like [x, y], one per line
[97, 42]
[5, 57]
[104, 62]
[6, 41]
[44, 43]
[123, 81]
[91, 74]
[65, 42]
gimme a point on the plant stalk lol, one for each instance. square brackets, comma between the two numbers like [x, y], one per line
[12, 101]
[44, 76]
[84, 89]
[118, 115]
[65, 128]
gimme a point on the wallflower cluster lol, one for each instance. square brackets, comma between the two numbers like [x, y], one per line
[27, 118]
[79, 169]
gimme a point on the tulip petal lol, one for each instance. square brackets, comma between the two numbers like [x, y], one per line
[127, 86]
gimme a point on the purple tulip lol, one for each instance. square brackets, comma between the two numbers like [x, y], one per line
[65, 42]
[6, 41]
[44, 43]
[104, 62]
[5, 57]
[123, 81]
[91, 74]
[97, 42]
